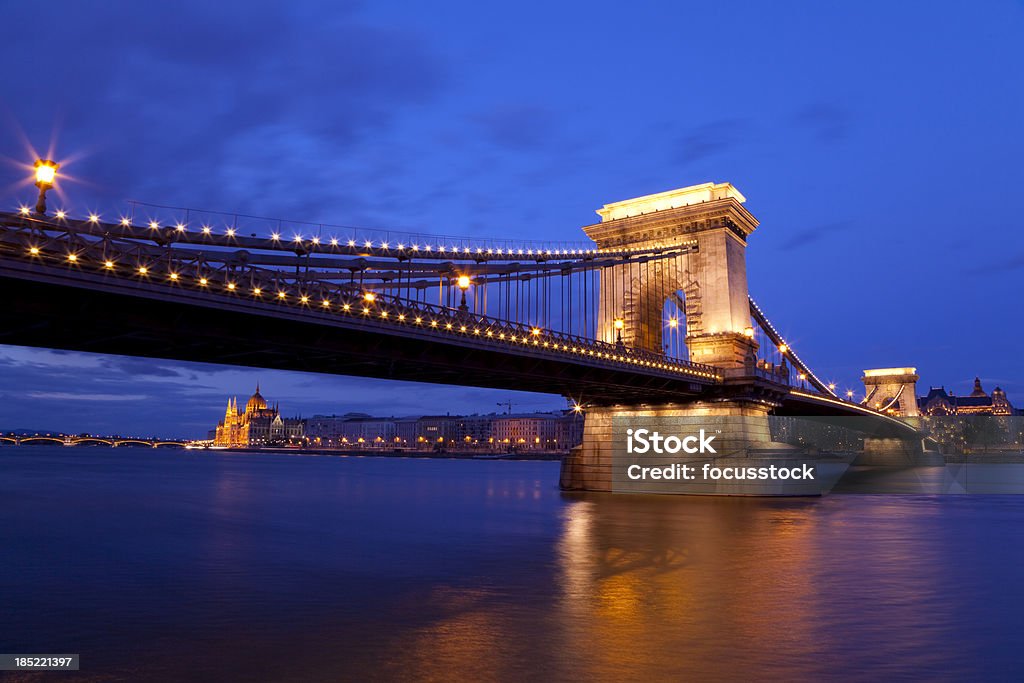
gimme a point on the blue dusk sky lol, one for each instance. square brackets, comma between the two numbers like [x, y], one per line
[879, 144]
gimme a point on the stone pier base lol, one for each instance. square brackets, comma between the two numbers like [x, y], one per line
[897, 453]
[588, 467]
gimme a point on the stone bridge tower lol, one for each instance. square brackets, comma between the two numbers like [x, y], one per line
[709, 226]
[709, 279]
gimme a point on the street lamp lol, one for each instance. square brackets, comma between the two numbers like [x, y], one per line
[46, 173]
[620, 324]
[463, 283]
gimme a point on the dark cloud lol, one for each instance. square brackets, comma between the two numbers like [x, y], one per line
[1006, 265]
[708, 140]
[826, 121]
[221, 104]
[807, 237]
[518, 126]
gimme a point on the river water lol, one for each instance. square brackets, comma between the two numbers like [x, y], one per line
[182, 565]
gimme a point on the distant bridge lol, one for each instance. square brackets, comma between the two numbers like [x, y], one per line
[70, 440]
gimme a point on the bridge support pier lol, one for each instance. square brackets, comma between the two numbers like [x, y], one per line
[743, 425]
[897, 453]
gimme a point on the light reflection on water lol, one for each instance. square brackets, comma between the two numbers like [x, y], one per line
[186, 566]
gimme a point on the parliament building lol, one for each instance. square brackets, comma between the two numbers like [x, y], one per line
[256, 425]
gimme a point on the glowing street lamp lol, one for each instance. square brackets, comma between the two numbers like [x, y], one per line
[463, 283]
[620, 324]
[46, 173]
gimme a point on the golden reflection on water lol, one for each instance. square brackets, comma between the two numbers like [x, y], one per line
[723, 586]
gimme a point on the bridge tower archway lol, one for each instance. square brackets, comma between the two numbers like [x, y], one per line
[706, 279]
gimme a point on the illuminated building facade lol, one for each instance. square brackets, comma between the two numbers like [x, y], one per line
[978, 402]
[256, 425]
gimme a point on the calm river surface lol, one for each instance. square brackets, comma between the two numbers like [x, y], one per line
[184, 566]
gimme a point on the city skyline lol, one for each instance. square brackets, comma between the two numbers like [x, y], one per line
[404, 132]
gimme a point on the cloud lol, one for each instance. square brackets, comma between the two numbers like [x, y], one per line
[1006, 265]
[68, 396]
[220, 105]
[518, 126]
[807, 237]
[708, 140]
[826, 121]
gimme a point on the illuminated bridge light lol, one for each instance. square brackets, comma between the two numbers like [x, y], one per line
[180, 227]
[60, 214]
[325, 303]
[276, 236]
[173, 276]
[143, 270]
[368, 244]
[369, 297]
[230, 232]
[346, 307]
[73, 258]
[93, 218]
[351, 243]
[401, 317]
[203, 281]
[153, 225]
[433, 323]
[23, 210]
[108, 264]
[383, 245]
[257, 291]
[304, 299]
[206, 230]
[315, 240]
[447, 326]
[231, 286]
[334, 241]
[297, 239]
[418, 320]
[281, 295]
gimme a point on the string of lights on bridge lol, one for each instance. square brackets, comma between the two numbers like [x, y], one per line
[392, 310]
[341, 245]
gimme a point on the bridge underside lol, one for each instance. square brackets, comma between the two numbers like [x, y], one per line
[51, 315]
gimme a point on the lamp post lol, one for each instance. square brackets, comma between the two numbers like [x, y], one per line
[619, 325]
[463, 283]
[46, 173]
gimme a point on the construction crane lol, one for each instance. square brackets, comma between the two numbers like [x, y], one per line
[508, 405]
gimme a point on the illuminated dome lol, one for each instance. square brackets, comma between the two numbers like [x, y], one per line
[256, 401]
